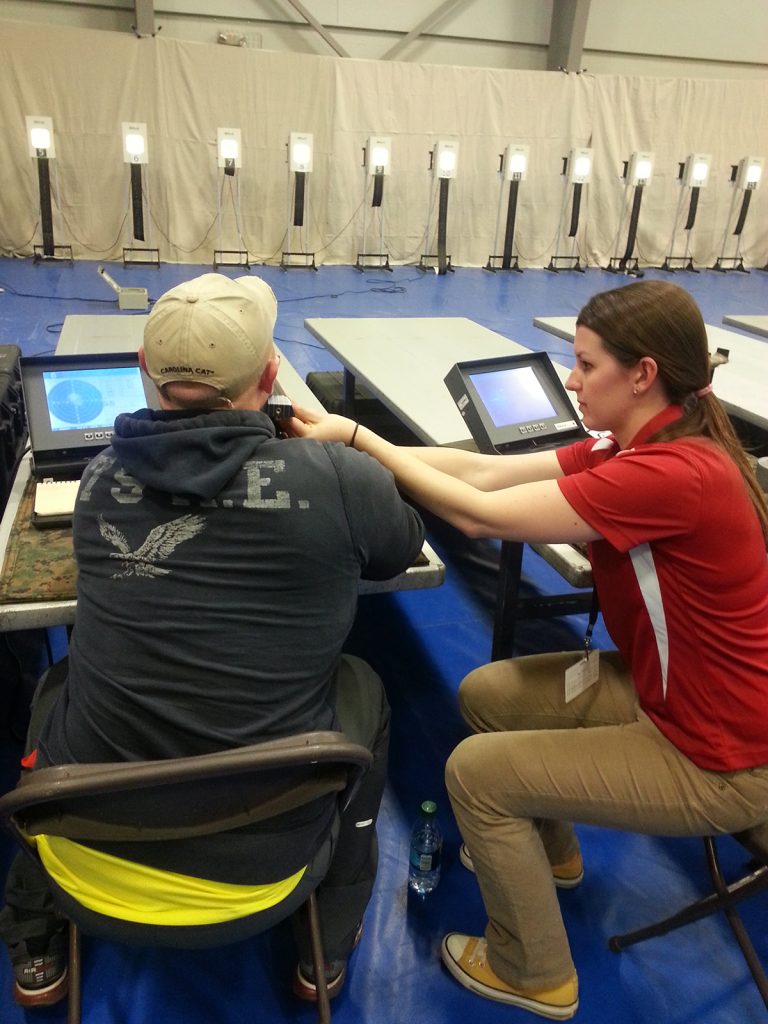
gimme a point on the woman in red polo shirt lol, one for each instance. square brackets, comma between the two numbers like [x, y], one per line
[667, 735]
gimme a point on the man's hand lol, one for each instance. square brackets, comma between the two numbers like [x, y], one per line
[318, 426]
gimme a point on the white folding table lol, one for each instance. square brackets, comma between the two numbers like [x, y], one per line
[753, 324]
[403, 362]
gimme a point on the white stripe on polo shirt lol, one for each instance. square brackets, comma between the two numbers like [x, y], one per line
[648, 580]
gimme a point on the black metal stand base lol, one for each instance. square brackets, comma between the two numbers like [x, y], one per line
[727, 263]
[298, 261]
[512, 264]
[685, 263]
[60, 254]
[381, 258]
[572, 263]
[431, 261]
[624, 265]
[230, 258]
[141, 257]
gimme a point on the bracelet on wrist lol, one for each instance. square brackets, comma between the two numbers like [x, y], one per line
[354, 435]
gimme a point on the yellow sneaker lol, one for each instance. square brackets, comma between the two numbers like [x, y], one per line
[465, 957]
[566, 875]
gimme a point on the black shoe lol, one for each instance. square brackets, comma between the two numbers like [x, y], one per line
[304, 986]
[40, 970]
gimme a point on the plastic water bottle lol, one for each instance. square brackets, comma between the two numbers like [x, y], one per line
[426, 847]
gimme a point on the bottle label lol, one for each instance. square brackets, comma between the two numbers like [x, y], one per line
[425, 861]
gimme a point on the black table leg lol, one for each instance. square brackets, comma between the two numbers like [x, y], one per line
[510, 565]
[349, 393]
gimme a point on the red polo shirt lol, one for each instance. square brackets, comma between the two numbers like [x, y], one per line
[682, 576]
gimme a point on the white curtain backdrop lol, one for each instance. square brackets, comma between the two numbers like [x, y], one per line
[90, 81]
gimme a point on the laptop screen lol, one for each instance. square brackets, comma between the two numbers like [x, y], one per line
[93, 398]
[72, 403]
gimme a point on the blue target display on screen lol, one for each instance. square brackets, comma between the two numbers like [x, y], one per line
[91, 399]
[512, 395]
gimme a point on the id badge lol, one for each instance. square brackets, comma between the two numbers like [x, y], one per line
[582, 675]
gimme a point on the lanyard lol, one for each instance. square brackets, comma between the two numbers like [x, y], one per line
[593, 610]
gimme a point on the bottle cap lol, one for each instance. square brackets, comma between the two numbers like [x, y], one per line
[429, 807]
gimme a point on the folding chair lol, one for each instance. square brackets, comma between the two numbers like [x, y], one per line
[151, 801]
[725, 897]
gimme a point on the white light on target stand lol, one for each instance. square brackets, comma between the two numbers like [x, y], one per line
[379, 153]
[515, 162]
[579, 166]
[300, 152]
[640, 169]
[40, 137]
[135, 143]
[446, 159]
[696, 170]
[228, 149]
[749, 173]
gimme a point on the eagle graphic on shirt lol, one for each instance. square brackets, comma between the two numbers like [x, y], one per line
[160, 544]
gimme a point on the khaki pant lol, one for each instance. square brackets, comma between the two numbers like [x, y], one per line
[537, 764]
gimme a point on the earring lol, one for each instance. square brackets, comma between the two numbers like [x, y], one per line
[634, 390]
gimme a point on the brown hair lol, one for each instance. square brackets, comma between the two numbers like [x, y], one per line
[661, 320]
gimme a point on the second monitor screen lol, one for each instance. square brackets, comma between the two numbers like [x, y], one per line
[513, 396]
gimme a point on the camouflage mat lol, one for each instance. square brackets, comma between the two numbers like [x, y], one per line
[38, 563]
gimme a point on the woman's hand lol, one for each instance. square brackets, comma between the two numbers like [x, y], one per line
[318, 426]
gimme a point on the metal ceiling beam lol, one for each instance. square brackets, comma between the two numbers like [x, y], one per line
[566, 35]
[424, 26]
[320, 29]
[145, 18]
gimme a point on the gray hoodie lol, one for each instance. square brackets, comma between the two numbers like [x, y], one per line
[218, 571]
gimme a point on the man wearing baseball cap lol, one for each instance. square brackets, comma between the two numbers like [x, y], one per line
[218, 572]
[208, 343]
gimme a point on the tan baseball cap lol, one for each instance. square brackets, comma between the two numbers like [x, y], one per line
[213, 330]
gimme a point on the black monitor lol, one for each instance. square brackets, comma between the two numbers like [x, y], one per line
[514, 403]
[72, 403]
